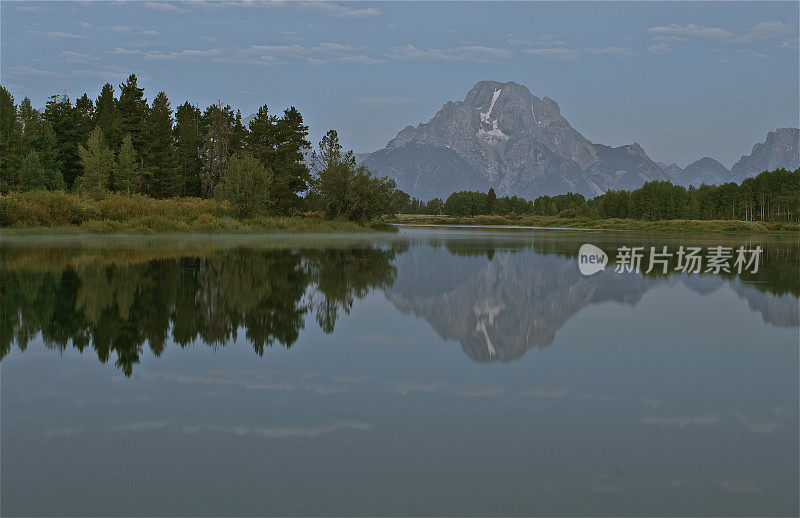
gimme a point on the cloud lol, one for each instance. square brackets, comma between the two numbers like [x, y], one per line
[307, 432]
[560, 53]
[739, 485]
[66, 35]
[28, 71]
[259, 54]
[768, 30]
[757, 425]
[791, 44]
[405, 388]
[682, 421]
[675, 32]
[139, 426]
[164, 7]
[556, 393]
[474, 53]
[77, 57]
[124, 29]
[360, 59]
[659, 48]
[666, 37]
[333, 9]
[618, 51]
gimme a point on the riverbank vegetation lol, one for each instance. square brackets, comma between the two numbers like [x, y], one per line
[767, 200]
[123, 164]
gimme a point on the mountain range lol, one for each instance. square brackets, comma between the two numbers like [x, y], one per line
[502, 136]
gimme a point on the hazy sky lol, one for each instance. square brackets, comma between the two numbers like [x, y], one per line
[685, 80]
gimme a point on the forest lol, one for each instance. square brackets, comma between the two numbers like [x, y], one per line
[770, 196]
[121, 143]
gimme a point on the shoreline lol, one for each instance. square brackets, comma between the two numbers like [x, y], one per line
[610, 225]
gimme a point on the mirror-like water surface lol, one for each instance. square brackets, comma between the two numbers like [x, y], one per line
[433, 372]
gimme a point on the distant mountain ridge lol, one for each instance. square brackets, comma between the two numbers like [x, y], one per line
[502, 136]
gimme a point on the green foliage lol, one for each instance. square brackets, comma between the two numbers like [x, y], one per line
[126, 176]
[279, 143]
[188, 141]
[245, 184]
[106, 116]
[98, 164]
[132, 113]
[10, 140]
[63, 117]
[163, 177]
[341, 190]
[214, 153]
[31, 173]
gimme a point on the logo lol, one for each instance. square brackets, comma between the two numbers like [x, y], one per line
[591, 259]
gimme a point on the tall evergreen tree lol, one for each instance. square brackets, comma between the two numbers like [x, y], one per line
[61, 114]
[163, 177]
[238, 133]
[126, 176]
[84, 115]
[262, 137]
[132, 110]
[38, 135]
[31, 173]
[214, 153]
[290, 172]
[106, 116]
[189, 140]
[98, 164]
[10, 141]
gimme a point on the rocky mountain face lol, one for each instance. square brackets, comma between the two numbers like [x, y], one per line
[781, 149]
[704, 171]
[503, 137]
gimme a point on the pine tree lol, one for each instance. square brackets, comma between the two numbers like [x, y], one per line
[106, 116]
[214, 153]
[126, 176]
[491, 198]
[291, 174]
[262, 137]
[38, 135]
[187, 137]
[61, 114]
[163, 177]
[84, 115]
[98, 164]
[10, 141]
[47, 147]
[31, 173]
[132, 110]
[238, 133]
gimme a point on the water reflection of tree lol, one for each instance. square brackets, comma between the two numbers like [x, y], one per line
[117, 306]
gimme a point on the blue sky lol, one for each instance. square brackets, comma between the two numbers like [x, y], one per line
[685, 80]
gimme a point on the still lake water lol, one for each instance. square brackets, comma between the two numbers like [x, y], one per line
[431, 372]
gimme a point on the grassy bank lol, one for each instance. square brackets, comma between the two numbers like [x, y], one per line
[41, 212]
[677, 225]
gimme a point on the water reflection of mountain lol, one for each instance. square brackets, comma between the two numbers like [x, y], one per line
[498, 303]
[498, 296]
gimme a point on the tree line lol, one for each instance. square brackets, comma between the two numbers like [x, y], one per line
[770, 196]
[123, 143]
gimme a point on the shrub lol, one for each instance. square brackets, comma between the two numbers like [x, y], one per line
[245, 184]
